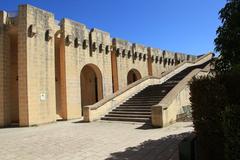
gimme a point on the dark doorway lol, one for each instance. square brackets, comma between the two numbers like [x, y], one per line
[91, 85]
[133, 75]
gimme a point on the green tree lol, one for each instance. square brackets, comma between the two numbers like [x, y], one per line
[228, 37]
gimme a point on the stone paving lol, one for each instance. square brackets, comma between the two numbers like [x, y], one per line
[101, 140]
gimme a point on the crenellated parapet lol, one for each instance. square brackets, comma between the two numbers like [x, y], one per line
[74, 34]
[156, 55]
[122, 48]
[100, 41]
[40, 23]
[79, 36]
[168, 57]
[57, 67]
[140, 52]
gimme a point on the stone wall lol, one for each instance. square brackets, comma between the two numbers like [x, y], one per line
[37, 99]
[129, 56]
[157, 62]
[45, 66]
[5, 101]
[93, 51]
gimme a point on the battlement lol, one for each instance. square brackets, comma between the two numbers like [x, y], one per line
[81, 33]
[54, 67]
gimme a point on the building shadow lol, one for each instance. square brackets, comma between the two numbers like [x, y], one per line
[11, 126]
[165, 148]
[80, 121]
[146, 126]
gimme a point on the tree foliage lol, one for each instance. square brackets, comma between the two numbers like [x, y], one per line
[216, 116]
[228, 37]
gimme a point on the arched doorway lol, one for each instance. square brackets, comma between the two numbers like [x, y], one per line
[91, 85]
[133, 75]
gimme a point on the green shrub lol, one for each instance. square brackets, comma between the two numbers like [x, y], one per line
[231, 119]
[216, 110]
[208, 101]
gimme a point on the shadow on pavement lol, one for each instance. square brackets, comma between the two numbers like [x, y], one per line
[81, 121]
[146, 126]
[162, 149]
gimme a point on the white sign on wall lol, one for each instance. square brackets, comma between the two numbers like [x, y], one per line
[43, 96]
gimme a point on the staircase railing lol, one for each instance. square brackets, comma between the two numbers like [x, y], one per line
[99, 109]
[165, 112]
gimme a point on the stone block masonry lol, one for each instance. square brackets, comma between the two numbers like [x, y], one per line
[49, 70]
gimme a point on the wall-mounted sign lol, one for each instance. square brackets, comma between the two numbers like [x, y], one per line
[43, 97]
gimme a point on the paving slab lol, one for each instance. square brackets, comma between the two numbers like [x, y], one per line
[99, 140]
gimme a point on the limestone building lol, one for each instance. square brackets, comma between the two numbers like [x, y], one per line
[50, 69]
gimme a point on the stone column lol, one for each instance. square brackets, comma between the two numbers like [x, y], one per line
[3, 15]
[149, 61]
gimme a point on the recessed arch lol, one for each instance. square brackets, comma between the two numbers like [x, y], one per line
[133, 75]
[91, 85]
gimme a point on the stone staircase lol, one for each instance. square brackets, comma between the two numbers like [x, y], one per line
[138, 107]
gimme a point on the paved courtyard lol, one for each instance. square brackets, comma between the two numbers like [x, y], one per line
[73, 140]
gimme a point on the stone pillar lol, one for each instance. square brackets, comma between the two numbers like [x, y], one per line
[22, 67]
[114, 68]
[149, 61]
[157, 116]
[2, 22]
[4, 69]
[63, 89]
[37, 101]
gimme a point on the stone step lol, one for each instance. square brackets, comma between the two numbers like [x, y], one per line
[142, 101]
[132, 104]
[138, 107]
[149, 99]
[134, 109]
[156, 91]
[149, 96]
[128, 115]
[146, 98]
[126, 119]
[130, 112]
[138, 104]
[157, 95]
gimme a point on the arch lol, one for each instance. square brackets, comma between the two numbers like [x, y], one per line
[91, 85]
[133, 75]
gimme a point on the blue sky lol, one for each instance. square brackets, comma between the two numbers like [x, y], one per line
[187, 26]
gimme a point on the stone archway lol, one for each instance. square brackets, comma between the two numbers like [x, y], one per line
[133, 75]
[91, 85]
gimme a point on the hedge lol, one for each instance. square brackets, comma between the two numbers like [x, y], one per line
[231, 123]
[216, 110]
